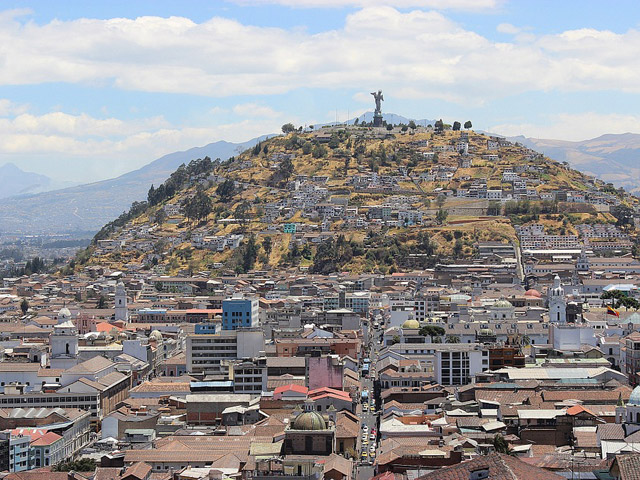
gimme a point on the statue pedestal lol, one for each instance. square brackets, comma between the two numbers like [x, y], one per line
[377, 120]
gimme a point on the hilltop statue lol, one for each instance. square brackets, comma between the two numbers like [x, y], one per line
[379, 99]
[377, 115]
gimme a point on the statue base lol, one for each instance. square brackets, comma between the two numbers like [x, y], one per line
[377, 120]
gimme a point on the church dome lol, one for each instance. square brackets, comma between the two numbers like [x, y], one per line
[532, 292]
[309, 421]
[411, 324]
[64, 313]
[502, 303]
[634, 398]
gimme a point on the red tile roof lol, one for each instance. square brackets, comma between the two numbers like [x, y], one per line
[500, 467]
[291, 388]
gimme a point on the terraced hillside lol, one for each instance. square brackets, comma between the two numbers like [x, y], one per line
[351, 198]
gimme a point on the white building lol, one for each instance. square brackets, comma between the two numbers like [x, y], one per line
[557, 303]
[64, 342]
[206, 352]
[121, 303]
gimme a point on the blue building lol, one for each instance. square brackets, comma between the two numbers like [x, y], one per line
[19, 451]
[205, 328]
[239, 313]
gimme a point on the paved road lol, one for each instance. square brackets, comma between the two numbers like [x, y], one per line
[366, 471]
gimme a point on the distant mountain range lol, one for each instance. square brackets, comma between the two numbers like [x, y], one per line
[88, 207]
[14, 181]
[613, 158]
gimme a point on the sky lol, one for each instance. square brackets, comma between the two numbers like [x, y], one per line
[91, 90]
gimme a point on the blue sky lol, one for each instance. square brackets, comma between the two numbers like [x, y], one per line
[90, 90]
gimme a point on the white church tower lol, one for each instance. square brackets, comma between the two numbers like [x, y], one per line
[557, 303]
[64, 342]
[122, 313]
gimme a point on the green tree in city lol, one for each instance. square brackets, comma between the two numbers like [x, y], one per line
[431, 331]
[24, 306]
[199, 206]
[267, 245]
[456, 125]
[441, 216]
[288, 128]
[226, 190]
[250, 254]
[468, 124]
[501, 445]
[102, 302]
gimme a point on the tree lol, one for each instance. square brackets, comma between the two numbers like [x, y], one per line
[250, 253]
[389, 127]
[456, 125]
[452, 339]
[83, 465]
[468, 124]
[226, 190]
[438, 126]
[494, 208]
[102, 302]
[431, 331]
[267, 245]
[242, 211]
[440, 201]
[161, 216]
[286, 168]
[412, 125]
[199, 206]
[501, 445]
[24, 306]
[441, 216]
[458, 248]
[319, 151]
[288, 128]
[620, 299]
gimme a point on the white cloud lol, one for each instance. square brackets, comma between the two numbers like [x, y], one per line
[7, 107]
[123, 145]
[255, 110]
[414, 54]
[436, 4]
[575, 127]
[508, 28]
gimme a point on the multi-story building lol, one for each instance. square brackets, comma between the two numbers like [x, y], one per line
[505, 356]
[19, 451]
[249, 375]
[73, 425]
[457, 364]
[207, 351]
[239, 312]
[632, 358]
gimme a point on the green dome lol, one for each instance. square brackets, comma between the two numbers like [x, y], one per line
[411, 324]
[502, 304]
[309, 421]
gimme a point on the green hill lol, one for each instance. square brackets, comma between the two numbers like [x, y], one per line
[193, 221]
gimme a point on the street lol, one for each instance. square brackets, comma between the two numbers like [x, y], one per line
[365, 470]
